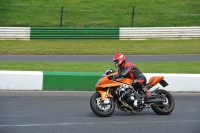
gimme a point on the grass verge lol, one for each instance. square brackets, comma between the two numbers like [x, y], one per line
[190, 67]
[99, 47]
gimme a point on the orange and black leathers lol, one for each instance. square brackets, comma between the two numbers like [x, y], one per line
[129, 70]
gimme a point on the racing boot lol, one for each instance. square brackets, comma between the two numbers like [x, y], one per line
[147, 93]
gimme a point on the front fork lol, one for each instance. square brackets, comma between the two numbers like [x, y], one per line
[105, 94]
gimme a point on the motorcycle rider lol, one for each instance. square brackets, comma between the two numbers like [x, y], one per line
[129, 70]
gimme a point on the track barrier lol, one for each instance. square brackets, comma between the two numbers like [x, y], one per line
[83, 81]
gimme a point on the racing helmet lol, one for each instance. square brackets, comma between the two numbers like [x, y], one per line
[119, 59]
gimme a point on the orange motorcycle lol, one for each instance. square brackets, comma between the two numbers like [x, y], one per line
[120, 93]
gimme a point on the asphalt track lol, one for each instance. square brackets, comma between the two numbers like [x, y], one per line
[69, 112]
[98, 58]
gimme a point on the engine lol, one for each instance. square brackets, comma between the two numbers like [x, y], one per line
[127, 95]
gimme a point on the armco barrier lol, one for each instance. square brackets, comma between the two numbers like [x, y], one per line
[74, 33]
[124, 33]
[159, 33]
[15, 33]
[84, 81]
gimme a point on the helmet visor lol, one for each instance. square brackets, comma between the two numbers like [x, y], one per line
[116, 63]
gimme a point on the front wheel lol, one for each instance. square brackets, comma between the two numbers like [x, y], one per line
[167, 106]
[102, 108]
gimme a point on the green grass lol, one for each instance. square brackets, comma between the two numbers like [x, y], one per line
[106, 13]
[99, 47]
[191, 67]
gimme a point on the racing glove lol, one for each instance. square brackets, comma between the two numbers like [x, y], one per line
[116, 76]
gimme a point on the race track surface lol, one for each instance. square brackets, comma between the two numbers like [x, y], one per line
[69, 112]
[98, 58]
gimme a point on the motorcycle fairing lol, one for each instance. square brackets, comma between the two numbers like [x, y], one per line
[104, 94]
[103, 85]
[154, 80]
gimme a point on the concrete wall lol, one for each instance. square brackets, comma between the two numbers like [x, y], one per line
[179, 82]
[84, 81]
[21, 80]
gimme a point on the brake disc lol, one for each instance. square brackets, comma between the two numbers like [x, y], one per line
[103, 105]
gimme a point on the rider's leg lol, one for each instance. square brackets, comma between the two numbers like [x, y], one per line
[147, 93]
[139, 85]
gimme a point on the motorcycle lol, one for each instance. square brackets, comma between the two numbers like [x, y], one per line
[120, 93]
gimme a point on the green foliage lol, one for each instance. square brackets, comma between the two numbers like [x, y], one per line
[106, 13]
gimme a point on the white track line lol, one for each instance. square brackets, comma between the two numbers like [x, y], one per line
[91, 123]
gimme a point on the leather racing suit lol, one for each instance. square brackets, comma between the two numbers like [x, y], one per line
[129, 70]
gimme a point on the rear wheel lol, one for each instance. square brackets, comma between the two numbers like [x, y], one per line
[167, 106]
[102, 108]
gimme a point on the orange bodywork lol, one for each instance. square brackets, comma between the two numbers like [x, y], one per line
[154, 80]
[104, 84]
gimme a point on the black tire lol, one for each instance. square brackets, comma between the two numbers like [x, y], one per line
[166, 109]
[95, 100]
